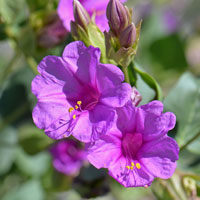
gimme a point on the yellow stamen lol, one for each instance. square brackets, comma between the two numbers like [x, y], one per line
[76, 107]
[132, 164]
[71, 109]
[138, 165]
[74, 116]
[128, 167]
[79, 102]
[131, 168]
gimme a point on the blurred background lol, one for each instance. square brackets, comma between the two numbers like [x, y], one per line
[29, 30]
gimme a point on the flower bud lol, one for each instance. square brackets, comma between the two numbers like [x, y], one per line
[117, 16]
[81, 15]
[190, 186]
[135, 97]
[53, 32]
[128, 36]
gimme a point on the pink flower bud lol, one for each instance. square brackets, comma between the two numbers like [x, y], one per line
[128, 36]
[117, 16]
[135, 97]
[81, 15]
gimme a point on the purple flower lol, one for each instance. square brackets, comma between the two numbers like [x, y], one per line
[139, 149]
[77, 94]
[68, 156]
[65, 11]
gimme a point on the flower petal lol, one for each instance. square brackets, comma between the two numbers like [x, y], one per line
[152, 123]
[101, 20]
[116, 97]
[52, 117]
[55, 74]
[52, 92]
[82, 131]
[126, 118]
[102, 118]
[90, 125]
[65, 12]
[108, 76]
[159, 157]
[130, 178]
[104, 151]
[83, 61]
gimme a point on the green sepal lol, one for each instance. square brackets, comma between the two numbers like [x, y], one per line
[97, 39]
[120, 55]
[91, 37]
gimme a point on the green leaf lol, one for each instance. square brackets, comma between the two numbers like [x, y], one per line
[8, 140]
[71, 194]
[150, 81]
[145, 91]
[32, 139]
[121, 193]
[35, 165]
[13, 11]
[3, 35]
[164, 190]
[194, 146]
[169, 52]
[31, 190]
[184, 101]
[27, 41]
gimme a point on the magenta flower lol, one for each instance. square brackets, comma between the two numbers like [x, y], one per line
[139, 149]
[65, 11]
[68, 156]
[77, 94]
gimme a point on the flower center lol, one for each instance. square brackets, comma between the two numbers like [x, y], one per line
[131, 143]
[89, 98]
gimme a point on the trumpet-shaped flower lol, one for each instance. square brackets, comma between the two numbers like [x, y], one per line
[68, 156]
[77, 94]
[138, 149]
[97, 8]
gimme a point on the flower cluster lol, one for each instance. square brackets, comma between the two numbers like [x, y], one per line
[80, 96]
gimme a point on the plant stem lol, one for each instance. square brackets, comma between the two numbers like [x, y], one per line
[189, 141]
[32, 64]
[125, 70]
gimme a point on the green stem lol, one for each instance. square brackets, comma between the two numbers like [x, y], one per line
[125, 70]
[189, 141]
[32, 64]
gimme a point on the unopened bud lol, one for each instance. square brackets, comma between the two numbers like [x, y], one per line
[128, 36]
[190, 186]
[52, 33]
[81, 16]
[117, 16]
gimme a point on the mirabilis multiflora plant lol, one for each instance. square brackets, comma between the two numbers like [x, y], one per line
[83, 94]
